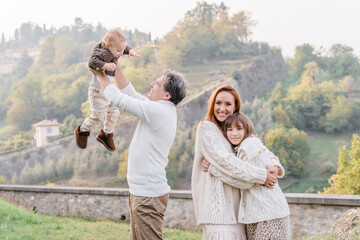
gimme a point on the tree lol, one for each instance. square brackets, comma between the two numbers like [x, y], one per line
[277, 95]
[23, 65]
[343, 65]
[307, 102]
[260, 114]
[47, 53]
[303, 55]
[291, 146]
[243, 25]
[27, 104]
[36, 35]
[26, 32]
[67, 52]
[203, 14]
[3, 180]
[346, 180]
[169, 56]
[346, 84]
[281, 116]
[225, 35]
[138, 77]
[3, 39]
[337, 50]
[122, 170]
[337, 119]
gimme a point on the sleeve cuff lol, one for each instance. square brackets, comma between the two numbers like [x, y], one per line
[260, 175]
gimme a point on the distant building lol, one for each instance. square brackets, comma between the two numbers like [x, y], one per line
[7, 66]
[45, 130]
[10, 58]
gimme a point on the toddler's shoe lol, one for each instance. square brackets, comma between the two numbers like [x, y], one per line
[81, 137]
[106, 140]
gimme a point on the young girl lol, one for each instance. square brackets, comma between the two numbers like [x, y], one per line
[264, 210]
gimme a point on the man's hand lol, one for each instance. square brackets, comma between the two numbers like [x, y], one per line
[271, 178]
[103, 80]
[109, 66]
[205, 165]
[132, 53]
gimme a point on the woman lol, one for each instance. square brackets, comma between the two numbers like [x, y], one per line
[216, 204]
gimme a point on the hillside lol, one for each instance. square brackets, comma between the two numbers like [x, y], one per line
[321, 164]
[201, 81]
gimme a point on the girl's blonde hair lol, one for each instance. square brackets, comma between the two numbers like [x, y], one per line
[114, 36]
[240, 118]
[211, 103]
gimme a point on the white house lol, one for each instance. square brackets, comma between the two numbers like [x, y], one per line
[44, 130]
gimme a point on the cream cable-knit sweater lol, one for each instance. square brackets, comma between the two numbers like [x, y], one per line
[257, 203]
[213, 199]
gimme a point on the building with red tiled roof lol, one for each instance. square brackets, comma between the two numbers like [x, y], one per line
[45, 130]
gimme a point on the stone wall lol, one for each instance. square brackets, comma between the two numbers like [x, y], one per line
[310, 213]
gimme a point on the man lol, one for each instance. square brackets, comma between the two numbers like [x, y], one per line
[149, 148]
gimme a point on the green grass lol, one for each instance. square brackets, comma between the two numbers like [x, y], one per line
[320, 165]
[17, 223]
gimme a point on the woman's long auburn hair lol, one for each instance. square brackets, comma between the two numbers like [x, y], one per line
[211, 103]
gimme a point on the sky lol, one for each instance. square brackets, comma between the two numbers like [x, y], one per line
[281, 23]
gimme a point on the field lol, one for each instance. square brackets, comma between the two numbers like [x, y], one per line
[320, 164]
[16, 223]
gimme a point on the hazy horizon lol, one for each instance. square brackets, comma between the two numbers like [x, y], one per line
[281, 23]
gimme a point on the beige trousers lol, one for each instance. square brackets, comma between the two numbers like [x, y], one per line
[102, 112]
[147, 216]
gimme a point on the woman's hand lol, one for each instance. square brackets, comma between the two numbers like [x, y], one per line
[205, 165]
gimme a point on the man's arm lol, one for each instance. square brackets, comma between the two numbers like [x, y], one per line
[103, 80]
[141, 108]
[120, 78]
[123, 83]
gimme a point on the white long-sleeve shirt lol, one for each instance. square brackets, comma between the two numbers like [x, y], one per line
[152, 140]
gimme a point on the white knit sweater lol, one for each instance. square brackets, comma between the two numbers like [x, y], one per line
[213, 199]
[257, 203]
[153, 137]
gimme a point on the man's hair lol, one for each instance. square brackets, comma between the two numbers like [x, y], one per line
[113, 36]
[175, 85]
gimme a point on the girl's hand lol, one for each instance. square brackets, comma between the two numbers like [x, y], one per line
[271, 178]
[274, 170]
[205, 165]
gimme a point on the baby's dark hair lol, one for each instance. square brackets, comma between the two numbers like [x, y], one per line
[236, 119]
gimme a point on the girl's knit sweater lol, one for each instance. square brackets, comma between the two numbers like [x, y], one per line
[258, 203]
[213, 199]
